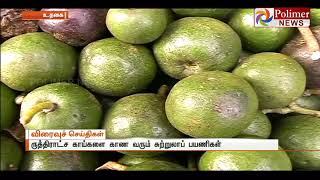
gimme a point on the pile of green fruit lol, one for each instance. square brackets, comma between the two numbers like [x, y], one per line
[162, 73]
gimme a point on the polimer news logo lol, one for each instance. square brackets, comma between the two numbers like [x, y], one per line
[263, 17]
[282, 17]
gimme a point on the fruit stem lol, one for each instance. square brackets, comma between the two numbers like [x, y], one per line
[311, 42]
[12, 167]
[285, 110]
[191, 68]
[45, 106]
[163, 91]
[293, 107]
[17, 131]
[298, 109]
[111, 165]
[19, 99]
[310, 92]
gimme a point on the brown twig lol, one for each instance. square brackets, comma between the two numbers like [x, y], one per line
[163, 91]
[111, 165]
[293, 107]
[311, 42]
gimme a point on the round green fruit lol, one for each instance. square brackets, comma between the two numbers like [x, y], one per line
[134, 160]
[60, 161]
[245, 161]
[195, 44]
[220, 13]
[11, 154]
[137, 26]
[9, 110]
[212, 104]
[277, 79]
[60, 106]
[260, 127]
[156, 165]
[245, 136]
[114, 68]
[139, 115]
[302, 134]
[35, 59]
[315, 16]
[258, 39]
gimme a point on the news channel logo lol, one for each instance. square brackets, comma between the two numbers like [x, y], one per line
[264, 17]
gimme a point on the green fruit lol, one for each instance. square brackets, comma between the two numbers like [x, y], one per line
[246, 136]
[277, 79]
[212, 104]
[260, 126]
[9, 110]
[115, 68]
[11, 154]
[195, 44]
[245, 161]
[134, 160]
[302, 133]
[137, 26]
[35, 59]
[139, 115]
[221, 13]
[60, 161]
[309, 102]
[315, 16]
[60, 106]
[156, 165]
[258, 39]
